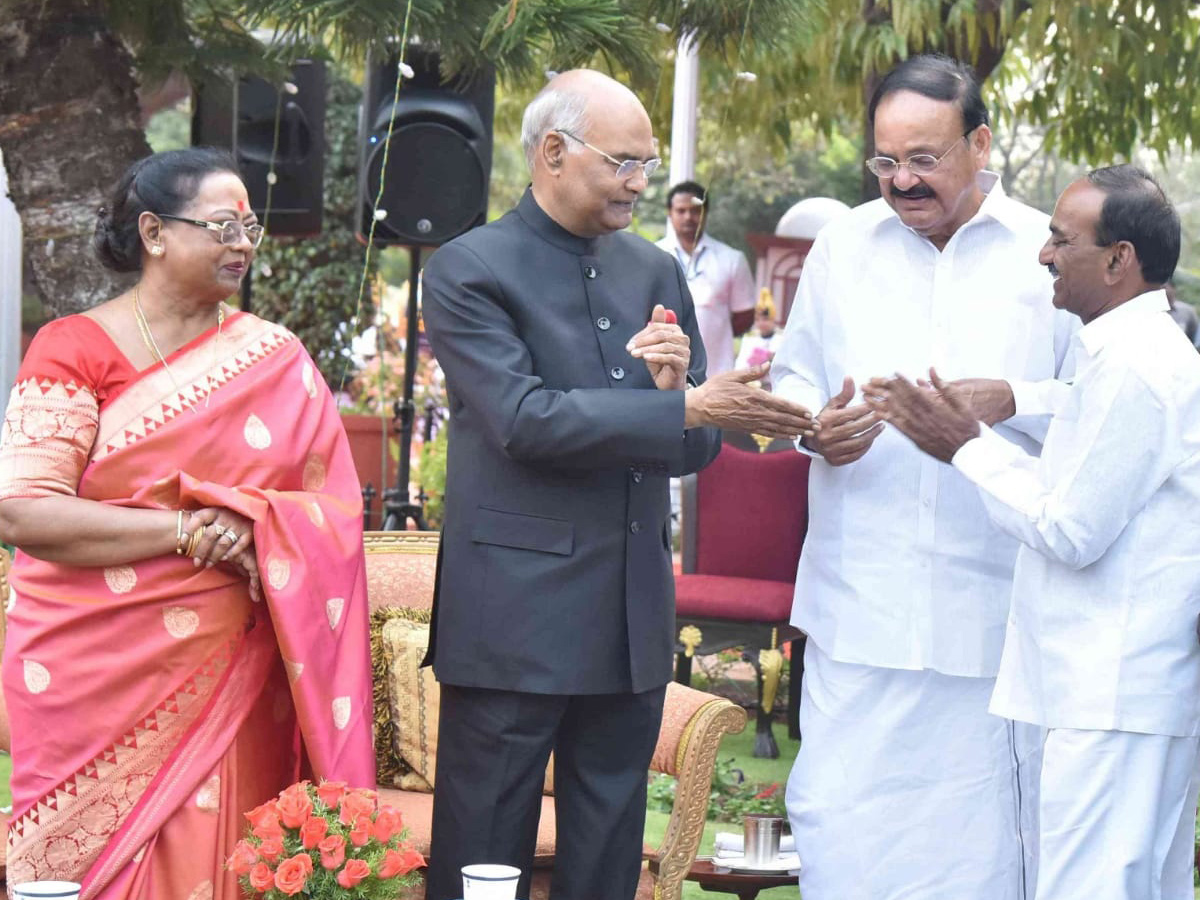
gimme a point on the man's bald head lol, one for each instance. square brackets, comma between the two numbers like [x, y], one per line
[577, 133]
[571, 101]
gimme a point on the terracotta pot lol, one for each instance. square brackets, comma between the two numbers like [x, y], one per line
[366, 435]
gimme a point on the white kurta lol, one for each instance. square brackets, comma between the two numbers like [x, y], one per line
[1106, 593]
[720, 282]
[901, 569]
[1102, 643]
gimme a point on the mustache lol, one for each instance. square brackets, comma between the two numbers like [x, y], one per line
[1053, 270]
[916, 192]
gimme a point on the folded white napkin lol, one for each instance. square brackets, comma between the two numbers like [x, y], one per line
[729, 845]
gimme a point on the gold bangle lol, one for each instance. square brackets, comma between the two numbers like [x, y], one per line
[179, 534]
[194, 542]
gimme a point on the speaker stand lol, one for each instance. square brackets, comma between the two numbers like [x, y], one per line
[398, 507]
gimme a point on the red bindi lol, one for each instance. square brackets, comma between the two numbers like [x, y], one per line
[241, 205]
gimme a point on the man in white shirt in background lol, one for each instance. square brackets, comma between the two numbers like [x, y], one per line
[904, 786]
[1102, 643]
[718, 276]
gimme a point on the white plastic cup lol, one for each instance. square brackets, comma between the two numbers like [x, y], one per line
[761, 836]
[488, 881]
[46, 890]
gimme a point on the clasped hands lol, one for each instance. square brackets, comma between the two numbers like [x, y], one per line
[938, 416]
[727, 400]
[226, 537]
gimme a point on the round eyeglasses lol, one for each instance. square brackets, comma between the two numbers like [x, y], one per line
[625, 167]
[229, 232]
[918, 164]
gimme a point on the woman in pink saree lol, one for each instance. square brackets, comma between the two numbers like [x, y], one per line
[187, 627]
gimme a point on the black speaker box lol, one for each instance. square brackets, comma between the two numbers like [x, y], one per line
[244, 122]
[439, 160]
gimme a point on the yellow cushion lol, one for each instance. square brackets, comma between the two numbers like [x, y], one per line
[390, 769]
[413, 696]
[413, 700]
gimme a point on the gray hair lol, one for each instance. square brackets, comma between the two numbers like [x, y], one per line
[552, 109]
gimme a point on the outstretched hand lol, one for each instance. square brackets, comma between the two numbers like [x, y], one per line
[729, 400]
[938, 419]
[846, 432]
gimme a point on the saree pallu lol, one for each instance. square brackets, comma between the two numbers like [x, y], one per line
[153, 703]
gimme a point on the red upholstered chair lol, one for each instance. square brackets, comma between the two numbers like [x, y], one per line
[744, 522]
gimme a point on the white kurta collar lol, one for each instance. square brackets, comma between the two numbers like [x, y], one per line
[1098, 332]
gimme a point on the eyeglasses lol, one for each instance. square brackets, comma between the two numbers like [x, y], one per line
[919, 164]
[229, 233]
[625, 167]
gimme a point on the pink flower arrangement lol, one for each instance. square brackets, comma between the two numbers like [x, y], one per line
[325, 842]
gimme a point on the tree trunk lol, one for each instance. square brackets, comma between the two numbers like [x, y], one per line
[69, 126]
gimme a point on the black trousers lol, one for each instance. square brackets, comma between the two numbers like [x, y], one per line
[493, 747]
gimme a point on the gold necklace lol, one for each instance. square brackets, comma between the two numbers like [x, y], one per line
[152, 345]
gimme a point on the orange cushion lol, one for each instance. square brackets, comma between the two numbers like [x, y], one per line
[417, 811]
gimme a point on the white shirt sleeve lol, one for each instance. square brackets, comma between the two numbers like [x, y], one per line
[1107, 457]
[798, 371]
[1036, 402]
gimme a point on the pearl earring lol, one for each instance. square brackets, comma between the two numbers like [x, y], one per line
[156, 250]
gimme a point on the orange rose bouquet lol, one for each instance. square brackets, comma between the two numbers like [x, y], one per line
[325, 842]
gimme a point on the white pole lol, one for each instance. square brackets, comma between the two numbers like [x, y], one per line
[10, 290]
[683, 110]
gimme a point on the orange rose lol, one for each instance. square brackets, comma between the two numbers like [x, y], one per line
[294, 808]
[265, 813]
[243, 857]
[356, 805]
[330, 792]
[400, 862]
[261, 877]
[387, 824]
[333, 851]
[354, 871]
[312, 831]
[360, 834]
[271, 849]
[264, 821]
[292, 873]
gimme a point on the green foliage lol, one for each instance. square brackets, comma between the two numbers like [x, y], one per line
[431, 476]
[731, 797]
[754, 188]
[170, 129]
[522, 38]
[1104, 76]
[310, 285]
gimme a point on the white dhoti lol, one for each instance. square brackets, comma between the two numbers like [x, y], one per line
[1118, 816]
[906, 788]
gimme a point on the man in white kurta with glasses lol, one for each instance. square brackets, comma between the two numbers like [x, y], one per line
[1102, 647]
[905, 787]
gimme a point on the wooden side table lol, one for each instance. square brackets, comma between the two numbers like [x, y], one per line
[742, 884]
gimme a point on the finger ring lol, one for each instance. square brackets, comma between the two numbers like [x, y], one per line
[219, 529]
[228, 534]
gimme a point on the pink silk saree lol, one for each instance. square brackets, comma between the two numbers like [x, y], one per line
[153, 703]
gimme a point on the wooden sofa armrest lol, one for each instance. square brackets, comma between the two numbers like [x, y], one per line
[694, 722]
